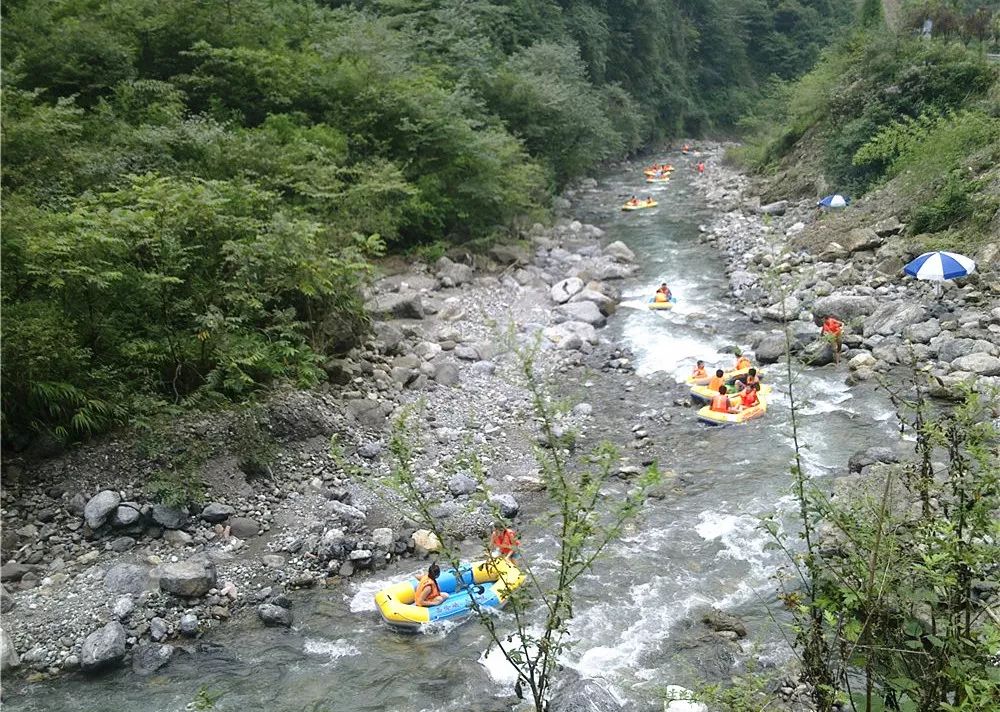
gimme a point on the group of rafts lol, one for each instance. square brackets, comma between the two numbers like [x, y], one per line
[733, 396]
[654, 174]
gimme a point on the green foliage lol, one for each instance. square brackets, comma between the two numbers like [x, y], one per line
[179, 483]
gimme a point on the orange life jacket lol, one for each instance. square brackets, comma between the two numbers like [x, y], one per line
[699, 373]
[750, 380]
[505, 541]
[742, 362]
[427, 582]
[831, 326]
[720, 404]
[714, 384]
[749, 398]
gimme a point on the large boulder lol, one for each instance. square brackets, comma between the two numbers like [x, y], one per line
[273, 615]
[571, 335]
[983, 364]
[368, 413]
[721, 621]
[169, 517]
[892, 321]
[770, 348]
[922, 332]
[388, 335]
[620, 252]
[869, 456]
[147, 659]
[845, 307]
[453, 274]
[126, 578]
[399, 305]
[462, 483]
[8, 655]
[126, 514]
[216, 512]
[605, 303]
[505, 504]
[562, 291]
[99, 507]
[587, 312]
[187, 578]
[447, 374]
[860, 239]
[243, 527]
[425, 542]
[103, 648]
[818, 353]
[951, 348]
[777, 208]
[509, 254]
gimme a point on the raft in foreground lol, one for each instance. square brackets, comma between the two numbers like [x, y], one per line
[669, 304]
[712, 417]
[491, 582]
[640, 206]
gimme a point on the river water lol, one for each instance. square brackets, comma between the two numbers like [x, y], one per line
[702, 547]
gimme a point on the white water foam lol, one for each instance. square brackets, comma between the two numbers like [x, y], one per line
[364, 599]
[498, 668]
[331, 649]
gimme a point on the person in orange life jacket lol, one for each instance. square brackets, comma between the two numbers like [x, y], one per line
[749, 379]
[717, 380]
[832, 330]
[742, 362]
[750, 396]
[699, 370]
[720, 403]
[504, 540]
[428, 593]
[662, 294]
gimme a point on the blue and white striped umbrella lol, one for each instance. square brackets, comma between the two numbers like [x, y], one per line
[940, 265]
[834, 201]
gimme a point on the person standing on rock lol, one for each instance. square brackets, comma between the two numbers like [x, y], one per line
[428, 592]
[832, 331]
[504, 541]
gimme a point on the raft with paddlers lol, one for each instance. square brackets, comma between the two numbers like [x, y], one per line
[713, 417]
[640, 205]
[705, 394]
[657, 170]
[490, 583]
[669, 304]
[727, 377]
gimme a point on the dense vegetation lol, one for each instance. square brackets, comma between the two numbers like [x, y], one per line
[193, 189]
[923, 114]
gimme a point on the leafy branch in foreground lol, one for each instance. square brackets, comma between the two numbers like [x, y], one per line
[583, 519]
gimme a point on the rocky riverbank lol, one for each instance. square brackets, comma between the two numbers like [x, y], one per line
[789, 262]
[102, 567]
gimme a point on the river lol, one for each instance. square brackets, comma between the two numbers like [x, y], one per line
[702, 547]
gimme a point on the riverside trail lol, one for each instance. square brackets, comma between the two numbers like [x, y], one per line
[638, 625]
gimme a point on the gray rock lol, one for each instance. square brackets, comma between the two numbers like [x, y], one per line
[243, 527]
[103, 648]
[8, 654]
[126, 515]
[578, 694]
[951, 348]
[383, 537]
[447, 374]
[586, 312]
[869, 456]
[158, 629]
[13, 571]
[100, 507]
[370, 451]
[983, 364]
[818, 353]
[346, 512]
[845, 307]
[273, 615]
[721, 621]
[331, 544]
[484, 368]
[571, 335]
[606, 304]
[126, 578]
[777, 208]
[367, 412]
[453, 274]
[860, 239]
[892, 321]
[216, 512]
[123, 607]
[360, 555]
[400, 305]
[562, 291]
[620, 252]
[889, 226]
[188, 626]
[505, 504]
[122, 544]
[922, 332]
[389, 335]
[770, 348]
[187, 578]
[461, 483]
[147, 659]
[509, 254]
[169, 517]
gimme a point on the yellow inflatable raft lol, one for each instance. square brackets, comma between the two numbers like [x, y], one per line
[651, 179]
[707, 415]
[648, 172]
[728, 377]
[704, 393]
[640, 206]
[490, 583]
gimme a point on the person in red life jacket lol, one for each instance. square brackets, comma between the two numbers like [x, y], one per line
[832, 330]
[701, 167]
[699, 371]
[749, 379]
[632, 201]
[504, 541]
[750, 396]
[720, 403]
[428, 593]
[742, 362]
[717, 380]
[662, 294]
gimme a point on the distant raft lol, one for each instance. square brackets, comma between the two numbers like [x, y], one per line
[491, 582]
[655, 305]
[640, 206]
[707, 415]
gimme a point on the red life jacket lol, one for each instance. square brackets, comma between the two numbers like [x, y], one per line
[506, 541]
[749, 398]
[720, 404]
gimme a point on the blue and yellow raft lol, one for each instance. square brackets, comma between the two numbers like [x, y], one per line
[490, 582]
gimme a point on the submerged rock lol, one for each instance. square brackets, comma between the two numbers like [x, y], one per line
[147, 659]
[273, 615]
